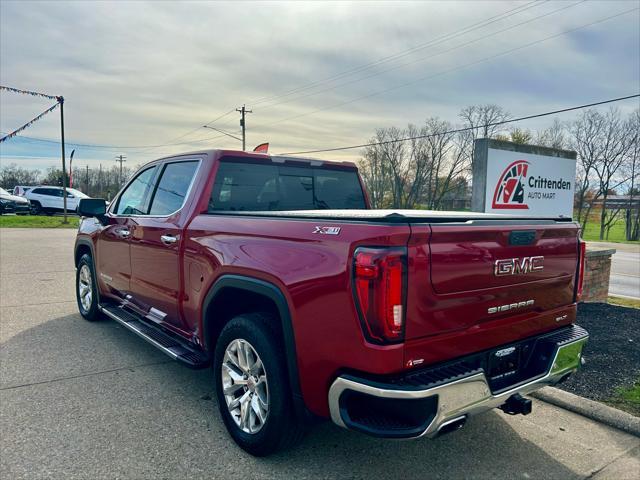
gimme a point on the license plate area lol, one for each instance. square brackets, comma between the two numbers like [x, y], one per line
[504, 365]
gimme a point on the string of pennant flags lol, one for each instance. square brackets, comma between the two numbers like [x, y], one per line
[29, 92]
[58, 100]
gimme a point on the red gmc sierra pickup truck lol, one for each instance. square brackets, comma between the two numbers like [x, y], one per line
[306, 303]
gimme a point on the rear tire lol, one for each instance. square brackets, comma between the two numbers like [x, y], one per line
[254, 396]
[86, 289]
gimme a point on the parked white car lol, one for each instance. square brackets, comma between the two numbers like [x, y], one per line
[47, 199]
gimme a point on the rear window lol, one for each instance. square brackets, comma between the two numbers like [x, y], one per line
[254, 187]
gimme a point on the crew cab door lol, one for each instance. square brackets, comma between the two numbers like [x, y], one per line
[156, 244]
[113, 262]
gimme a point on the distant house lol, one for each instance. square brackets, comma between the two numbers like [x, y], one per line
[615, 202]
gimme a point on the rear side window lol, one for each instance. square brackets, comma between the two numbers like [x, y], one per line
[132, 200]
[253, 187]
[52, 192]
[173, 187]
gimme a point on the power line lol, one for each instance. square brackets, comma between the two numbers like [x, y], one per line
[95, 146]
[460, 67]
[403, 53]
[466, 129]
[395, 67]
[369, 65]
[115, 147]
[190, 131]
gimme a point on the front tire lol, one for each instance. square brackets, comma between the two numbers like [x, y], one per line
[252, 385]
[86, 289]
[36, 208]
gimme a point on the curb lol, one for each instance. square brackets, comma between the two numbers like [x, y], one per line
[590, 409]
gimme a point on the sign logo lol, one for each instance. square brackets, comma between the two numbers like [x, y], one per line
[327, 230]
[509, 192]
[517, 266]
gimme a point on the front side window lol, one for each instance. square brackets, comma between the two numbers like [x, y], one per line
[173, 187]
[131, 201]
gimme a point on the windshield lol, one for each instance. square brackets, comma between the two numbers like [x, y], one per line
[77, 193]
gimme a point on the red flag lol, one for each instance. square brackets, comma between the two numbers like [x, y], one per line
[262, 148]
[70, 170]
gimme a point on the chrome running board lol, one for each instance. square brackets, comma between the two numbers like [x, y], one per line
[164, 341]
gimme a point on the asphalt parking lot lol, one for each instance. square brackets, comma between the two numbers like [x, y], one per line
[83, 400]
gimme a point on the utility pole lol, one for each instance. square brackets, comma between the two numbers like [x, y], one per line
[120, 158]
[87, 190]
[64, 166]
[243, 111]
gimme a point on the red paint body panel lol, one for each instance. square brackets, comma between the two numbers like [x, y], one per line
[450, 277]
[314, 271]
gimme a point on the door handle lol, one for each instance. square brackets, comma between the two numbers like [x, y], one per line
[168, 239]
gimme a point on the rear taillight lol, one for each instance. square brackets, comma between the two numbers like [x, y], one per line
[582, 251]
[379, 288]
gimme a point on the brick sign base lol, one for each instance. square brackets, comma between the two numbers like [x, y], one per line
[596, 275]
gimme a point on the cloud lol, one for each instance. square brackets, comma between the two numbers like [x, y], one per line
[138, 73]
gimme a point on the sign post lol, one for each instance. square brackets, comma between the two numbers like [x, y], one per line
[525, 180]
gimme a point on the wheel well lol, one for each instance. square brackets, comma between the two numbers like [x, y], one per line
[230, 302]
[80, 251]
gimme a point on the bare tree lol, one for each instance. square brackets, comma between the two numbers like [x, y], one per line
[448, 160]
[376, 173]
[12, 175]
[631, 171]
[585, 138]
[481, 119]
[553, 137]
[393, 152]
[617, 142]
[414, 166]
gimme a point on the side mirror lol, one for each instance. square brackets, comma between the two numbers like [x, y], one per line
[92, 207]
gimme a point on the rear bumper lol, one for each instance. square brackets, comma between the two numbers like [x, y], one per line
[426, 402]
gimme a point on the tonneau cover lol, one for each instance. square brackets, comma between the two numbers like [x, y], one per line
[397, 216]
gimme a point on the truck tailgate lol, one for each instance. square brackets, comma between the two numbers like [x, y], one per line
[463, 275]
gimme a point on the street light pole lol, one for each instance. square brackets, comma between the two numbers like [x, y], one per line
[64, 166]
[222, 131]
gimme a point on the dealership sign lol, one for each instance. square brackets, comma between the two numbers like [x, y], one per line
[523, 179]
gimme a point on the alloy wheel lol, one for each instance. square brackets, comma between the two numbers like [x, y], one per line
[85, 287]
[245, 386]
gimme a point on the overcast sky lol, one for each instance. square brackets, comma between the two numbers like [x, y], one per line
[138, 74]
